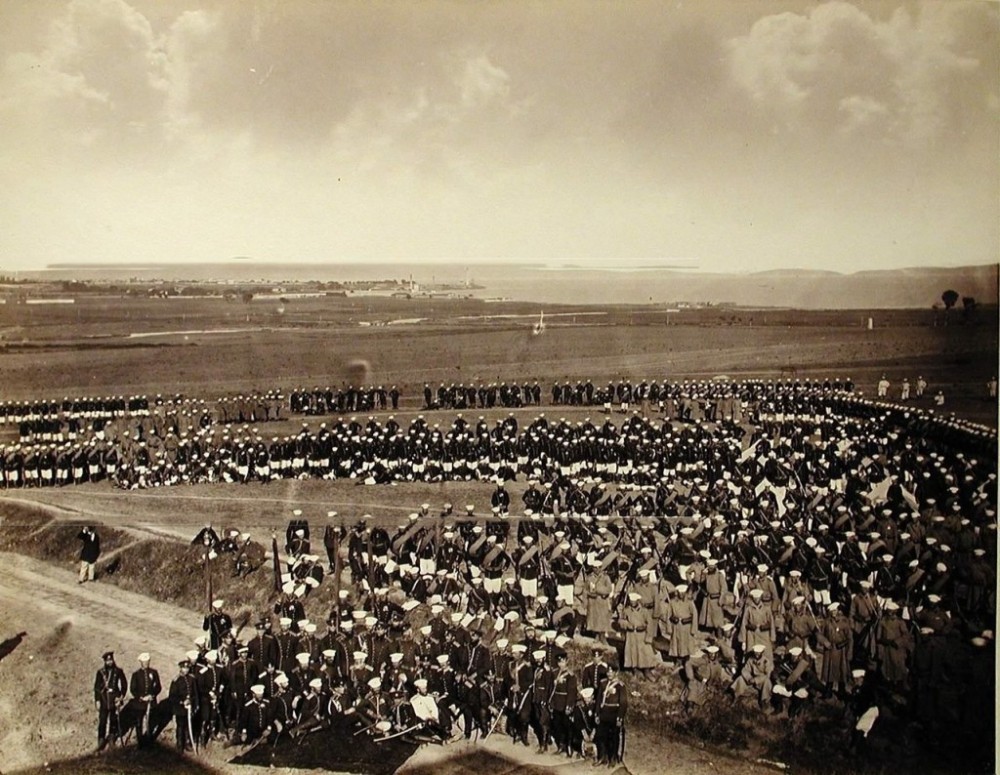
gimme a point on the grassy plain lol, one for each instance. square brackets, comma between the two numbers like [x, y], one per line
[89, 348]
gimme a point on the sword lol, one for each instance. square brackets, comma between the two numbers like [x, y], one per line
[365, 729]
[118, 724]
[194, 740]
[496, 721]
[406, 731]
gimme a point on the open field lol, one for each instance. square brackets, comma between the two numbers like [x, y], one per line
[86, 348]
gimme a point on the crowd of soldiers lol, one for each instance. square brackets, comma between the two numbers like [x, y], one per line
[780, 542]
[370, 672]
[181, 441]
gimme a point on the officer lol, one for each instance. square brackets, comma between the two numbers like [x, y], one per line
[145, 687]
[611, 707]
[109, 696]
[564, 699]
[183, 698]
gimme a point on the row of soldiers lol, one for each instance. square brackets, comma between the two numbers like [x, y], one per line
[69, 419]
[483, 396]
[624, 392]
[329, 400]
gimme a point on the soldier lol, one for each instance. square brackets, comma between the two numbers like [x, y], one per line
[755, 675]
[257, 715]
[145, 688]
[757, 625]
[217, 624]
[183, 697]
[563, 702]
[541, 693]
[211, 692]
[519, 691]
[702, 672]
[241, 674]
[836, 641]
[612, 705]
[110, 688]
[263, 648]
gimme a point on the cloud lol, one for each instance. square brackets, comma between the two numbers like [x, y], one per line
[482, 81]
[913, 77]
[98, 80]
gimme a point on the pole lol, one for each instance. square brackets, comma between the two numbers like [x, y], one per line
[208, 583]
[277, 562]
[338, 566]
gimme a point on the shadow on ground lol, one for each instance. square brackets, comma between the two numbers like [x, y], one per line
[125, 761]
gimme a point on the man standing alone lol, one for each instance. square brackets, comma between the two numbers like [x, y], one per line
[89, 553]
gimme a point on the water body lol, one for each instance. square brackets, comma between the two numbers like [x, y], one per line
[540, 283]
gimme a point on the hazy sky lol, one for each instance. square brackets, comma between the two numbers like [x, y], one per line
[722, 134]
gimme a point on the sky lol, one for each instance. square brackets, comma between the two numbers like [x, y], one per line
[719, 136]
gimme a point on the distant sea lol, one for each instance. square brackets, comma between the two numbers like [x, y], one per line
[539, 283]
[663, 282]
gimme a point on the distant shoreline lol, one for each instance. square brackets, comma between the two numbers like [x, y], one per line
[554, 282]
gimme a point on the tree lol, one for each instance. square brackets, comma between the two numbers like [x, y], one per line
[949, 298]
[247, 297]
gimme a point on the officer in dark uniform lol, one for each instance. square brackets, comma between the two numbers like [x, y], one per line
[145, 688]
[110, 688]
[183, 697]
[611, 706]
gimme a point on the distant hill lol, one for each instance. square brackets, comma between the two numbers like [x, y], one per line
[919, 287]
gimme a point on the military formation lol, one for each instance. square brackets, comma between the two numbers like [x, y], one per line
[780, 544]
[184, 441]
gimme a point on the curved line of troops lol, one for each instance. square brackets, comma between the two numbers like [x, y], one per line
[170, 442]
[822, 548]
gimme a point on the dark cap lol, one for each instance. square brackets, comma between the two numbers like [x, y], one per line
[108, 655]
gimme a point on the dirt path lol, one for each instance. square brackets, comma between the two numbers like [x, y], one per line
[46, 683]
[165, 631]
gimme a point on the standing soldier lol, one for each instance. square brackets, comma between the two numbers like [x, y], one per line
[183, 698]
[109, 696]
[611, 707]
[564, 699]
[240, 676]
[836, 641]
[263, 648]
[211, 690]
[217, 624]
[757, 625]
[145, 687]
[541, 693]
